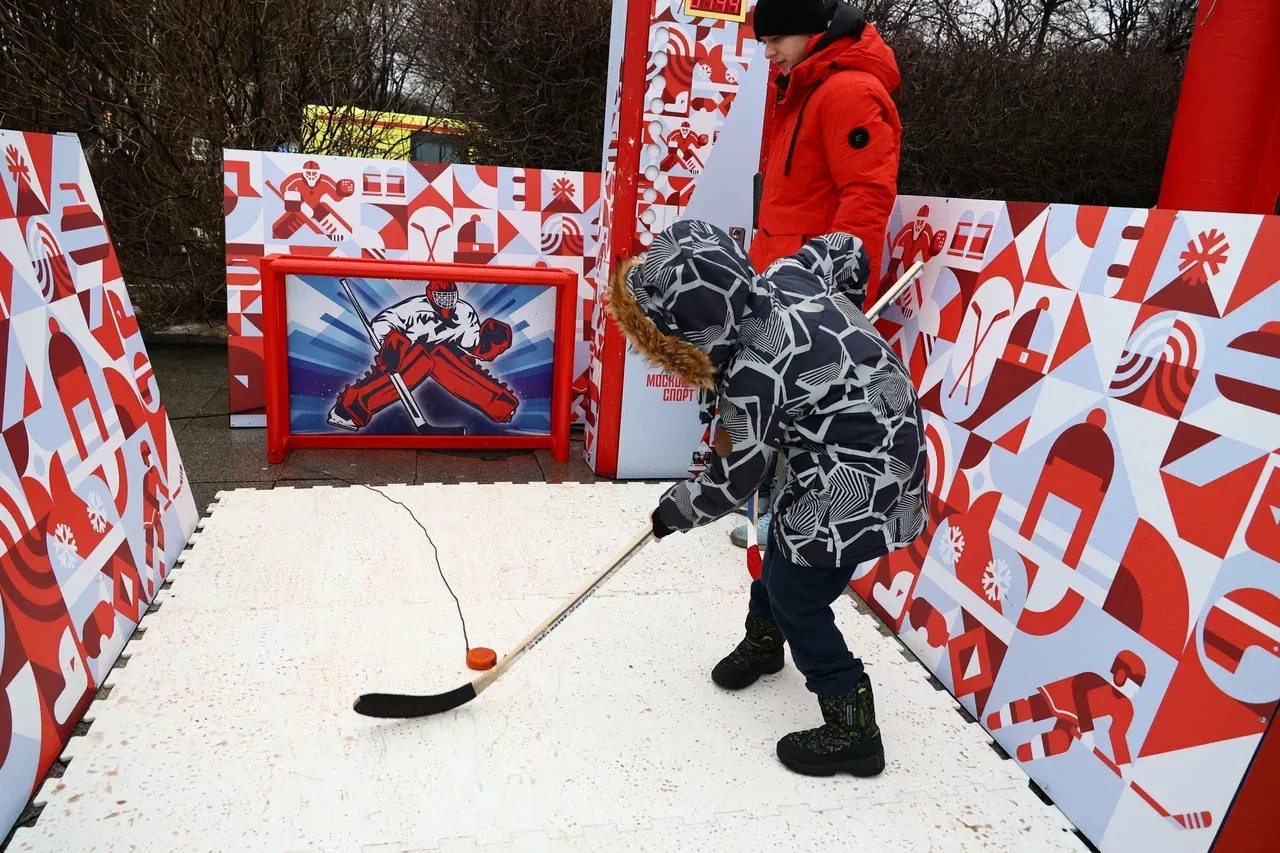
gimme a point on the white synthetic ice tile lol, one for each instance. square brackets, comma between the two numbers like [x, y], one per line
[231, 730]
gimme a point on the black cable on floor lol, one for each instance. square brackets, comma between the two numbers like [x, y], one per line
[434, 550]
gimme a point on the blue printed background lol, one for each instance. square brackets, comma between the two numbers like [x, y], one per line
[330, 349]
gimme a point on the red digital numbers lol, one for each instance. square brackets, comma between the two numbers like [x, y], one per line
[718, 8]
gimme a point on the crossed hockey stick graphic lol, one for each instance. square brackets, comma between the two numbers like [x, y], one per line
[431, 244]
[978, 339]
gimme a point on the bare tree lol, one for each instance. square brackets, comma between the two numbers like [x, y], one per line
[527, 75]
[1051, 100]
[157, 88]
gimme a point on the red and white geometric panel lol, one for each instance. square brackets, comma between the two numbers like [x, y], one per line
[697, 61]
[366, 208]
[1099, 582]
[94, 502]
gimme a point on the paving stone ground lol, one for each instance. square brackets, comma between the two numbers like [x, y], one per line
[193, 384]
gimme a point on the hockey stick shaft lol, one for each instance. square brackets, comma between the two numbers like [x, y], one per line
[893, 292]
[401, 706]
[553, 621]
[364, 320]
[410, 405]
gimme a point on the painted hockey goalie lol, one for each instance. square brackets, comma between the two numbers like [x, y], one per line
[304, 195]
[436, 336]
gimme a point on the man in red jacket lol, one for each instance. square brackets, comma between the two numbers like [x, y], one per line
[832, 161]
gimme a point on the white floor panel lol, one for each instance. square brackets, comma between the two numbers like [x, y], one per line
[230, 728]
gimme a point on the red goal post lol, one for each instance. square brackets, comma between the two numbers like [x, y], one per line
[276, 271]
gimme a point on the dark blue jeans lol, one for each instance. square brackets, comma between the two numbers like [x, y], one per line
[799, 599]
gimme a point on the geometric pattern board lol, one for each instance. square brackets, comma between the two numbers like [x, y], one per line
[488, 350]
[346, 207]
[1099, 579]
[692, 78]
[598, 739]
[94, 502]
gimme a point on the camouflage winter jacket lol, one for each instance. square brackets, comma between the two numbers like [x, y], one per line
[796, 368]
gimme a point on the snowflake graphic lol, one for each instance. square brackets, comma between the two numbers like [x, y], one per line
[563, 188]
[953, 546]
[17, 163]
[64, 546]
[996, 580]
[1200, 262]
[97, 514]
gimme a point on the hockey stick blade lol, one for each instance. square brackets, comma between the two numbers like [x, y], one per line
[404, 705]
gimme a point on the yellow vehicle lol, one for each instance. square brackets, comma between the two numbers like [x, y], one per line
[355, 132]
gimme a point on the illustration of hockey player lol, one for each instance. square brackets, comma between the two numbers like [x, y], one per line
[682, 148]
[1076, 704]
[304, 195]
[917, 241]
[155, 501]
[435, 335]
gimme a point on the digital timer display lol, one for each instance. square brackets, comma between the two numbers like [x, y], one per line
[727, 10]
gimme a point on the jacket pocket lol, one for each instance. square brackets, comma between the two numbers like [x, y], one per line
[780, 237]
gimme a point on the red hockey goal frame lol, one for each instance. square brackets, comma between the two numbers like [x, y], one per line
[277, 268]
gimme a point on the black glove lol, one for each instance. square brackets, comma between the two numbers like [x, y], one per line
[660, 530]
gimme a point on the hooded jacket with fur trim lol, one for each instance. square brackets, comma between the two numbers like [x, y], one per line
[796, 369]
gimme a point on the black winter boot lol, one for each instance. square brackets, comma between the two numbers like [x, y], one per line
[848, 743]
[759, 653]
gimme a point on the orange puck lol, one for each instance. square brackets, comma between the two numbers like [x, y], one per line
[481, 658]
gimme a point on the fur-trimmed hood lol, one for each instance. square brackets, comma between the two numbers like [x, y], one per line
[795, 369]
[685, 303]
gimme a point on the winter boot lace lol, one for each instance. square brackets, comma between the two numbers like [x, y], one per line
[759, 653]
[848, 743]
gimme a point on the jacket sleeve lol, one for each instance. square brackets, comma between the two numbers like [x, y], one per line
[755, 423]
[862, 146]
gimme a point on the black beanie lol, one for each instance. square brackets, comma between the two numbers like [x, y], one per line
[790, 18]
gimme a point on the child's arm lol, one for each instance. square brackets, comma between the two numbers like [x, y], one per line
[752, 425]
[841, 261]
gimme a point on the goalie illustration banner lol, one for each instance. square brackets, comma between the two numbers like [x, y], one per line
[474, 358]
[362, 353]
[353, 208]
[1099, 581]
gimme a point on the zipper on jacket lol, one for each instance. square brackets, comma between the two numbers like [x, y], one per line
[795, 134]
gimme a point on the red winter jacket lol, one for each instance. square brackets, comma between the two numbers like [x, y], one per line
[833, 153]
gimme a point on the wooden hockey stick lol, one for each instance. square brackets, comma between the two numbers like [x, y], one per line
[402, 705]
[893, 292]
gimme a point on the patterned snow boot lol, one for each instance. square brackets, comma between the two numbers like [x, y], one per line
[759, 653]
[848, 743]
